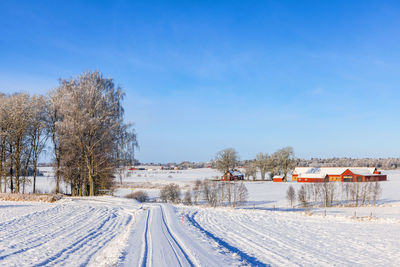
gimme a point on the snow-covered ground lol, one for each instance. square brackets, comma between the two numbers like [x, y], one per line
[104, 231]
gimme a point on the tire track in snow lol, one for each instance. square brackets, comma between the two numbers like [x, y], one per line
[158, 236]
[104, 231]
[46, 230]
[68, 233]
[172, 240]
[244, 257]
[145, 239]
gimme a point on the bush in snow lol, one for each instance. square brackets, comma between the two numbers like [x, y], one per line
[170, 193]
[188, 198]
[140, 196]
[196, 191]
[231, 193]
[240, 194]
[30, 197]
[302, 196]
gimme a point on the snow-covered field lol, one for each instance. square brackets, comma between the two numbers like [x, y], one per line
[105, 231]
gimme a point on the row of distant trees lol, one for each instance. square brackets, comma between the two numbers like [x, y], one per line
[330, 194]
[280, 162]
[83, 120]
[381, 163]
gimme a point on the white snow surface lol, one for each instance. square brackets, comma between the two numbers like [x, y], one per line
[109, 231]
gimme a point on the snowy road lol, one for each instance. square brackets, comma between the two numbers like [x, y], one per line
[164, 244]
[166, 241]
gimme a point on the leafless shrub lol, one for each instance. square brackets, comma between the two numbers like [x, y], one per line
[188, 198]
[376, 192]
[196, 191]
[213, 196]
[240, 194]
[350, 193]
[170, 193]
[206, 190]
[291, 195]
[302, 196]
[140, 196]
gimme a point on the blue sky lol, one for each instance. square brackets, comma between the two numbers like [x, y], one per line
[200, 76]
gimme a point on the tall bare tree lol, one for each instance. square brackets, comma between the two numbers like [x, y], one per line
[38, 132]
[19, 123]
[284, 161]
[92, 121]
[226, 159]
[55, 99]
[291, 195]
[263, 163]
[250, 170]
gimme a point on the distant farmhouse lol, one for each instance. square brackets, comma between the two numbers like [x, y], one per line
[330, 174]
[232, 175]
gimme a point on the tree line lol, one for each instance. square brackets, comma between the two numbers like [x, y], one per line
[280, 162]
[330, 194]
[380, 163]
[83, 122]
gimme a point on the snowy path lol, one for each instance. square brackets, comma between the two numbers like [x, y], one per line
[165, 246]
[165, 241]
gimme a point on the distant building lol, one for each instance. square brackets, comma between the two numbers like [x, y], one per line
[278, 178]
[331, 174]
[232, 175]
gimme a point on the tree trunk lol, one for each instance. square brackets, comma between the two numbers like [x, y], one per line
[34, 175]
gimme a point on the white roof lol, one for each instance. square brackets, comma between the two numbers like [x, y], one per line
[278, 176]
[321, 172]
[236, 173]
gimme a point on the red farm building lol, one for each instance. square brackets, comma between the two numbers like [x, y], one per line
[343, 174]
[232, 175]
[278, 179]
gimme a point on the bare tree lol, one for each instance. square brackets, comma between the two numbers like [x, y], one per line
[302, 196]
[170, 193]
[226, 159]
[263, 163]
[19, 122]
[54, 116]
[92, 122]
[188, 198]
[196, 191]
[376, 192]
[240, 193]
[38, 132]
[250, 170]
[284, 161]
[291, 195]
[206, 190]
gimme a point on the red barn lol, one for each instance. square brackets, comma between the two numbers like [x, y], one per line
[278, 178]
[344, 174]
